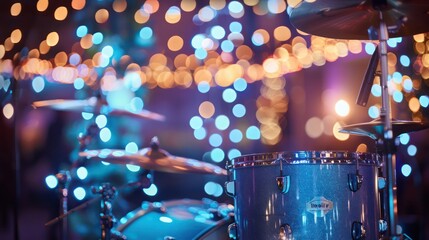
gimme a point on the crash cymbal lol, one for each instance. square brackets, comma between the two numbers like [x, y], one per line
[94, 105]
[352, 19]
[375, 128]
[151, 159]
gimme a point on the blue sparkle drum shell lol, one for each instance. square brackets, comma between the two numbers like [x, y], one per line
[181, 219]
[313, 200]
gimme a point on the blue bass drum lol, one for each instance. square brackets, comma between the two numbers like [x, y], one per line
[183, 219]
[305, 195]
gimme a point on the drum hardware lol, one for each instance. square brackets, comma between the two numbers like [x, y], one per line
[64, 179]
[283, 182]
[233, 231]
[285, 232]
[107, 193]
[355, 179]
[154, 158]
[334, 19]
[358, 231]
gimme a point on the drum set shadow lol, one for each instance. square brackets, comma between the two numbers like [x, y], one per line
[281, 195]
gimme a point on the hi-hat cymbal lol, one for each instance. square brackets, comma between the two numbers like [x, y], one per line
[352, 19]
[94, 105]
[154, 159]
[375, 128]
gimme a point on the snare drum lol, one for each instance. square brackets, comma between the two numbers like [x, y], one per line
[183, 219]
[305, 195]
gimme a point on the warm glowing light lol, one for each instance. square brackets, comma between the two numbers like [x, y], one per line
[282, 33]
[414, 104]
[42, 5]
[206, 109]
[141, 16]
[8, 111]
[15, 9]
[61, 59]
[119, 6]
[16, 36]
[338, 135]
[173, 15]
[342, 108]
[188, 5]
[78, 4]
[44, 47]
[175, 43]
[101, 16]
[61, 13]
[314, 127]
[52, 39]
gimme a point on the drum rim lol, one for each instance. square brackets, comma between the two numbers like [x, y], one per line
[304, 157]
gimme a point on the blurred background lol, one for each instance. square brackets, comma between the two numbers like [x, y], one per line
[230, 78]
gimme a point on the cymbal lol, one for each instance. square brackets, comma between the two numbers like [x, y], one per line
[94, 105]
[154, 159]
[352, 19]
[375, 128]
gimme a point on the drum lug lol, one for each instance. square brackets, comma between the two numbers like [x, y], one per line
[381, 183]
[382, 226]
[283, 183]
[285, 232]
[230, 188]
[232, 231]
[355, 181]
[358, 231]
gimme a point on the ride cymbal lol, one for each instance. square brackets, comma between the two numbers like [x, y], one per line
[375, 128]
[154, 159]
[94, 105]
[352, 19]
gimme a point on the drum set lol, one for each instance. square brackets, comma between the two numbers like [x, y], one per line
[280, 195]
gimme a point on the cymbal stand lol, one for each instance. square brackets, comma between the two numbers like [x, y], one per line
[63, 178]
[389, 157]
[107, 220]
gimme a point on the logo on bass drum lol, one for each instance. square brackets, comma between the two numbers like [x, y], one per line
[319, 206]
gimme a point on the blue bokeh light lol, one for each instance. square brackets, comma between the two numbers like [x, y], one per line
[81, 31]
[105, 134]
[97, 38]
[51, 181]
[369, 48]
[235, 7]
[253, 133]
[107, 51]
[240, 84]
[404, 138]
[78, 83]
[412, 150]
[373, 112]
[79, 193]
[217, 32]
[235, 27]
[146, 33]
[82, 173]
[197, 41]
[229, 95]
[217, 155]
[227, 46]
[196, 122]
[222, 122]
[203, 87]
[101, 121]
[405, 60]
[235, 136]
[38, 84]
[131, 147]
[239, 110]
[200, 53]
[397, 96]
[87, 115]
[424, 101]
[152, 190]
[215, 140]
[233, 153]
[200, 133]
[376, 90]
[406, 170]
